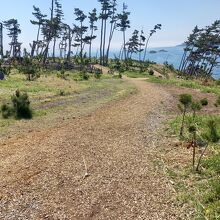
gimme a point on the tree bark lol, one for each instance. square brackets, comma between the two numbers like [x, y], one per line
[101, 42]
[104, 39]
[183, 120]
[124, 44]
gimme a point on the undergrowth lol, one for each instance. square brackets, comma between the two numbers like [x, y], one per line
[193, 84]
[201, 189]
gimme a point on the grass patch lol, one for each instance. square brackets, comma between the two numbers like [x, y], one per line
[201, 190]
[200, 121]
[53, 97]
[193, 84]
[133, 74]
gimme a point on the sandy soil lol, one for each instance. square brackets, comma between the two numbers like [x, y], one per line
[97, 166]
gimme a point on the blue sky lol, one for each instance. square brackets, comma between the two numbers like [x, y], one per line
[178, 17]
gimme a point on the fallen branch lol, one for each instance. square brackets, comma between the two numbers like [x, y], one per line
[86, 169]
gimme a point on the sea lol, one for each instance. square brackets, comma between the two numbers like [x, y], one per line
[173, 56]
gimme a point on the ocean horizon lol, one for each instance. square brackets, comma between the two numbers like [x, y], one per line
[172, 55]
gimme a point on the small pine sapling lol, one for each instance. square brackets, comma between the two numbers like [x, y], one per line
[21, 105]
[210, 136]
[195, 106]
[193, 143]
[185, 101]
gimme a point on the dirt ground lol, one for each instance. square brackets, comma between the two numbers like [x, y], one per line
[97, 166]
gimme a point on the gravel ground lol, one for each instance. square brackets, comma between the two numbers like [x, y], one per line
[98, 166]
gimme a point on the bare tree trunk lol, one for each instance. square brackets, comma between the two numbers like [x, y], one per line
[194, 149]
[90, 45]
[70, 37]
[145, 49]
[111, 33]
[38, 35]
[183, 120]
[120, 53]
[104, 39]
[52, 9]
[182, 60]
[140, 50]
[109, 42]
[45, 53]
[54, 47]
[200, 158]
[101, 42]
[81, 48]
[124, 45]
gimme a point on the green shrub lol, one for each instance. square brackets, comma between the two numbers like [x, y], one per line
[98, 73]
[212, 134]
[204, 102]
[62, 74]
[185, 99]
[212, 200]
[196, 106]
[217, 103]
[29, 69]
[21, 105]
[6, 110]
[151, 72]
[213, 163]
[215, 194]
[84, 75]
[169, 66]
[62, 93]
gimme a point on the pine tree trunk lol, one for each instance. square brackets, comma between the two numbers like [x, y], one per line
[194, 149]
[90, 45]
[183, 120]
[52, 9]
[69, 45]
[182, 60]
[145, 49]
[54, 48]
[101, 42]
[38, 35]
[124, 45]
[45, 53]
[104, 39]
[109, 42]
[200, 158]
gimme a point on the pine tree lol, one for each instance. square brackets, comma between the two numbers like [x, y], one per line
[57, 24]
[113, 25]
[152, 32]
[104, 16]
[80, 31]
[40, 18]
[202, 51]
[123, 24]
[92, 20]
[133, 44]
[13, 31]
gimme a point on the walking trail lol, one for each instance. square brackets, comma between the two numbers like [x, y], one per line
[98, 166]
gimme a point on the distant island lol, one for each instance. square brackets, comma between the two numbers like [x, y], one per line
[163, 51]
[152, 51]
[181, 45]
[159, 51]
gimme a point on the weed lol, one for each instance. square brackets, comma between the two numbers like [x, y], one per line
[20, 107]
[204, 102]
[185, 101]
